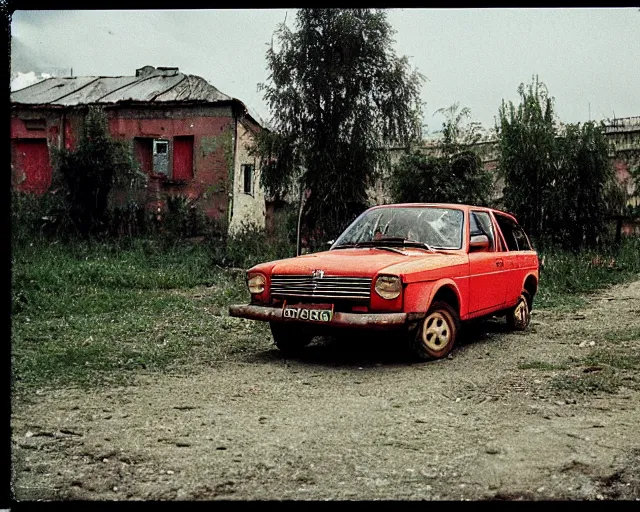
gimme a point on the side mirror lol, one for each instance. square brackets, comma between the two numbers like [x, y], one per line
[479, 243]
[330, 242]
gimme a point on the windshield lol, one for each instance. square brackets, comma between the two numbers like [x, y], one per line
[439, 228]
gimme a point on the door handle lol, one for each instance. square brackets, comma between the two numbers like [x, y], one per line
[499, 263]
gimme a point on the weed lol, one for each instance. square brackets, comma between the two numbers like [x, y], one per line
[606, 381]
[541, 365]
[566, 276]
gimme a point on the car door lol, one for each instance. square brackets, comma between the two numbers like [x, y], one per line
[514, 275]
[487, 270]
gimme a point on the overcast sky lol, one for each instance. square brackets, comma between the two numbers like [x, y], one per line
[588, 58]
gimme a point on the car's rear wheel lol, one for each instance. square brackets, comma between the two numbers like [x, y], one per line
[519, 316]
[290, 338]
[436, 334]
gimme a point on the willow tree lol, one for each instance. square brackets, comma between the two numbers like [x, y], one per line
[339, 98]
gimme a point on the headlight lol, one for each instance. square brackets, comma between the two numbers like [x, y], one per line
[256, 283]
[388, 287]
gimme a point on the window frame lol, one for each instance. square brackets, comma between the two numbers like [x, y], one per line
[243, 169]
[493, 240]
[513, 229]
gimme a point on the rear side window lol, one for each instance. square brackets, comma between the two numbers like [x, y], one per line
[513, 234]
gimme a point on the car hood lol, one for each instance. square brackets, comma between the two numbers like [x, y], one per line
[366, 262]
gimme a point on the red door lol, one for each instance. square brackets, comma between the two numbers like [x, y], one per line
[487, 269]
[182, 158]
[32, 168]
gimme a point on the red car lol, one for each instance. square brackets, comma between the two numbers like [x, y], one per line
[416, 269]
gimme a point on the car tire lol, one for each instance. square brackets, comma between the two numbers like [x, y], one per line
[519, 316]
[290, 338]
[436, 334]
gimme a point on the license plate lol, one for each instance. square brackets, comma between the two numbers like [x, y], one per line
[307, 313]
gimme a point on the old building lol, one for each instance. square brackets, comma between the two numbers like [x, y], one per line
[190, 138]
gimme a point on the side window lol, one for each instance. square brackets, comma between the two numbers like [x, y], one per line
[513, 234]
[480, 224]
[523, 242]
[247, 174]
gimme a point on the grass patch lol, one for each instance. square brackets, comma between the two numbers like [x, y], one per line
[92, 314]
[621, 361]
[631, 334]
[603, 371]
[541, 365]
[566, 277]
[606, 381]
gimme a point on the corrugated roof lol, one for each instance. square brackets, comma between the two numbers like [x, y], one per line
[152, 85]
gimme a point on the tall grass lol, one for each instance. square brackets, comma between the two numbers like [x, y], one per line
[566, 276]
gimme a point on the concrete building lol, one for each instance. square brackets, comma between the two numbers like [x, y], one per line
[188, 137]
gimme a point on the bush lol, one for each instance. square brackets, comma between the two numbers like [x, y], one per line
[252, 245]
[37, 216]
[566, 273]
[88, 172]
[455, 178]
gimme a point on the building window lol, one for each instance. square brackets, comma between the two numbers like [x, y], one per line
[161, 156]
[152, 155]
[247, 173]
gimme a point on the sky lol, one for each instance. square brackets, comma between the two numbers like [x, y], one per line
[589, 58]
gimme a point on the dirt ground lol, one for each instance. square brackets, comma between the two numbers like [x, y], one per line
[354, 419]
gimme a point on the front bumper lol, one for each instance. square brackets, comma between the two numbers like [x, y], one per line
[340, 320]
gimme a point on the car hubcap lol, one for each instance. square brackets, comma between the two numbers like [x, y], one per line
[522, 313]
[436, 332]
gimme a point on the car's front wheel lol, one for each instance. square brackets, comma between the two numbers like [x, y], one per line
[290, 338]
[519, 316]
[437, 333]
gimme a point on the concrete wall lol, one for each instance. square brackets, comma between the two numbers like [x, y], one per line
[247, 209]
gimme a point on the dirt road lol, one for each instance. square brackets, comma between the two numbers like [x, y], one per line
[552, 413]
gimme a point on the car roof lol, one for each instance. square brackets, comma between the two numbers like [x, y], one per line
[442, 205]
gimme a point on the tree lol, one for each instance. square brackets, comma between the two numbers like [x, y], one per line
[556, 183]
[457, 176]
[455, 132]
[339, 97]
[89, 171]
[527, 155]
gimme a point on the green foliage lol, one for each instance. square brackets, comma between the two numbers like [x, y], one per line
[458, 178]
[456, 132]
[35, 216]
[89, 313]
[280, 168]
[340, 97]
[566, 275]
[555, 183]
[252, 245]
[90, 171]
[183, 219]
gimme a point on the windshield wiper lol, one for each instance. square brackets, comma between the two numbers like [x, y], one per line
[367, 244]
[404, 241]
[388, 240]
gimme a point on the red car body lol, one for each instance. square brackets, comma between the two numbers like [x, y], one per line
[474, 280]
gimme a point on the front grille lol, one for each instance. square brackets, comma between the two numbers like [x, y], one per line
[327, 287]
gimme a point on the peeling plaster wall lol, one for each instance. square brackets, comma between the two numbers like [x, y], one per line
[210, 128]
[247, 208]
